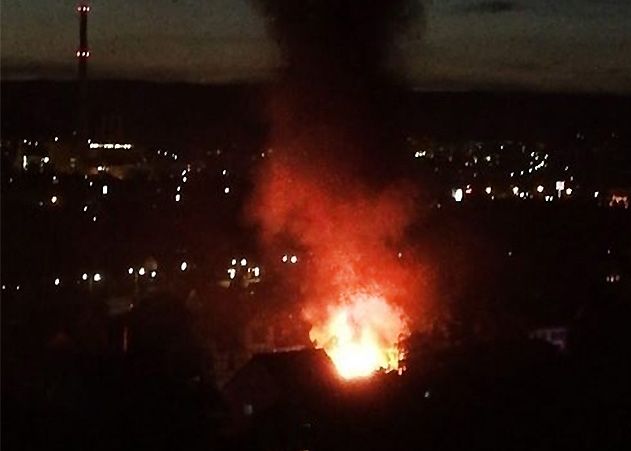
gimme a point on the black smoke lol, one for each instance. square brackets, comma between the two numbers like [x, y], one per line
[334, 98]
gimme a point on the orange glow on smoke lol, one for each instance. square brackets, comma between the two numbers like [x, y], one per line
[361, 335]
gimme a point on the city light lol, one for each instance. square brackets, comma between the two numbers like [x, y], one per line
[232, 273]
[97, 277]
[57, 282]
[568, 191]
[256, 271]
[540, 189]
[488, 190]
[178, 197]
[244, 262]
[293, 259]
[84, 276]
[285, 258]
[53, 200]
[130, 270]
[104, 190]
[516, 190]
[141, 271]
[457, 194]
[115, 146]
[153, 274]
[183, 266]
[226, 190]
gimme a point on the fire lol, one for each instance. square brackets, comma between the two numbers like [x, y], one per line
[361, 334]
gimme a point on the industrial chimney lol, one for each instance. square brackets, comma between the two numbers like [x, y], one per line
[83, 52]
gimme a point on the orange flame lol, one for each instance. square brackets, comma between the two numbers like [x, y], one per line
[361, 334]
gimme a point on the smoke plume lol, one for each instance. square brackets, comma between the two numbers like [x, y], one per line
[329, 113]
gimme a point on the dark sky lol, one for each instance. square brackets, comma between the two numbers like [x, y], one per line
[567, 45]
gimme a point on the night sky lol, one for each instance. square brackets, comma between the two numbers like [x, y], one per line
[567, 45]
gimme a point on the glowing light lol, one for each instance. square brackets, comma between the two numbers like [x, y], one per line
[244, 262]
[183, 266]
[294, 259]
[224, 172]
[130, 270]
[568, 191]
[153, 274]
[596, 193]
[57, 282]
[53, 200]
[56, 138]
[361, 335]
[256, 271]
[540, 189]
[488, 190]
[458, 195]
[226, 190]
[285, 258]
[97, 277]
[84, 276]
[46, 159]
[232, 273]
[142, 271]
[184, 179]
[560, 185]
[178, 197]
[115, 146]
[104, 190]
[516, 190]
[619, 200]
